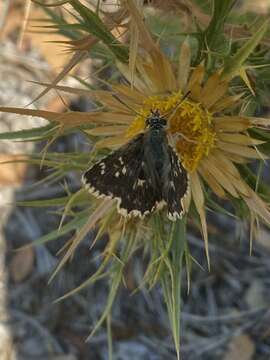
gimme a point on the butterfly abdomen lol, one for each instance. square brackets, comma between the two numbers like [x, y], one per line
[156, 154]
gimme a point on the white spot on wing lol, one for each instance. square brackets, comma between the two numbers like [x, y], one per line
[178, 215]
[159, 205]
[174, 216]
[172, 185]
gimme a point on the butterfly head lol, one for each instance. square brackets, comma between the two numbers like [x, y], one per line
[155, 120]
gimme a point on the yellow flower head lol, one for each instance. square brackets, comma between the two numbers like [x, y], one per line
[190, 126]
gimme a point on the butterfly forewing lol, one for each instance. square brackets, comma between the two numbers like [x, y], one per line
[121, 176]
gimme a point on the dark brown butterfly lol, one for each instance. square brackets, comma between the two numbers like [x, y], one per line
[143, 175]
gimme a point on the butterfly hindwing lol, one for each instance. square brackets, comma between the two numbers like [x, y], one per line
[121, 176]
[176, 186]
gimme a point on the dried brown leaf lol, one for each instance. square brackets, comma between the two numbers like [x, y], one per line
[255, 295]
[263, 238]
[241, 347]
[22, 264]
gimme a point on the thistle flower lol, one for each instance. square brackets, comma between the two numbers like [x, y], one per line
[209, 140]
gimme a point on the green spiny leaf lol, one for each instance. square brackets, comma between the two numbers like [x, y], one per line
[212, 39]
[94, 25]
[116, 276]
[233, 65]
[29, 134]
[74, 224]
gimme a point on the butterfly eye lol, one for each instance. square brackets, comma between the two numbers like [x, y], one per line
[163, 121]
[147, 122]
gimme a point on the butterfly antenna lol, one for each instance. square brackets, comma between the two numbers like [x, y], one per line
[126, 105]
[177, 105]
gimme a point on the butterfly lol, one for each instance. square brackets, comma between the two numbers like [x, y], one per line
[143, 175]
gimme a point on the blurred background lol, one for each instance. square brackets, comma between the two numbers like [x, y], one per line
[226, 315]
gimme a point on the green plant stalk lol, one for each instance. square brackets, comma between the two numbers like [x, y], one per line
[109, 336]
[171, 279]
[213, 36]
[221, 10]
